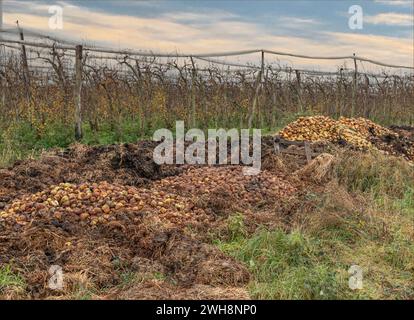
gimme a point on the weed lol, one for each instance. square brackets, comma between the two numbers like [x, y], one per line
[10, 281]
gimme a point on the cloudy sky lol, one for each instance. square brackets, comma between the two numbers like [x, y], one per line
[304, 27]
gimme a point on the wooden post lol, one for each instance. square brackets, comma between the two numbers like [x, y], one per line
[308, 152]
[262, 67]
[354, 87]
[260, 88]
[1, 15]
[299, 89]
[340, 88]
[193, 98]
[26, 75]
[3, 77]
[256, 96]
[3, 61]
[78, 93]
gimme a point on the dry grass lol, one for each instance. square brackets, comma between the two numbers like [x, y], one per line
[342, 223]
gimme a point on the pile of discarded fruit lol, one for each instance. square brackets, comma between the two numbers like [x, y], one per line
[96, 230]
[359, 133]
[98, 203]
[228, 186]
[174, 201]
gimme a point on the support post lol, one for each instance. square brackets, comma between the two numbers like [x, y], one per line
[78, 93]
[299, 89]
[262, 68]
[354, 87]
[193, 98]
[25, 65]
[2, 60]
[255, 98]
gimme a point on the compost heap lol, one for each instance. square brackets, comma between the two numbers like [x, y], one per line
[96, 231]
[358, 133]
[126, 164]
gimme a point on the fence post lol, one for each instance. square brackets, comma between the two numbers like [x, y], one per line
[26, 75]
[259, 89]
[299, 89]
[3, 81]
[262, 67]
[78, 93]
[255, 98]
[193, 98]
[354, 87]
[3, 62]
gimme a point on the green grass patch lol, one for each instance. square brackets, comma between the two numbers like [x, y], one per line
[286, 265]
[366, 221]
[10, 280]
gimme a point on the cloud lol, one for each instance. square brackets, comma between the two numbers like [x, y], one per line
[377, 47]
[220, 31]
[403, 3]
[391, 19]
[297, 22]
[197, 17]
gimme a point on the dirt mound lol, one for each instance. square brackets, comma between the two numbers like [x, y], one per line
[96, 257]
[96, 231]
[395, 145]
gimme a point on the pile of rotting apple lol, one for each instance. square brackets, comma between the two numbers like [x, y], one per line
[101, 227]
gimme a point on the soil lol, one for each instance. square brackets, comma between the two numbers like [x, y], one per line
[404, 131]
[400, 143]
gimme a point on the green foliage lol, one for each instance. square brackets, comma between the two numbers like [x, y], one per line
[10, 279]
[236, 228]
[286, 266]
[372, 227]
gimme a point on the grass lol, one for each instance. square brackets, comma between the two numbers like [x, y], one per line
[286, 265]
[298, 265]
[10, 282]
[21, 140]
[312, 259]
[376, 174]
